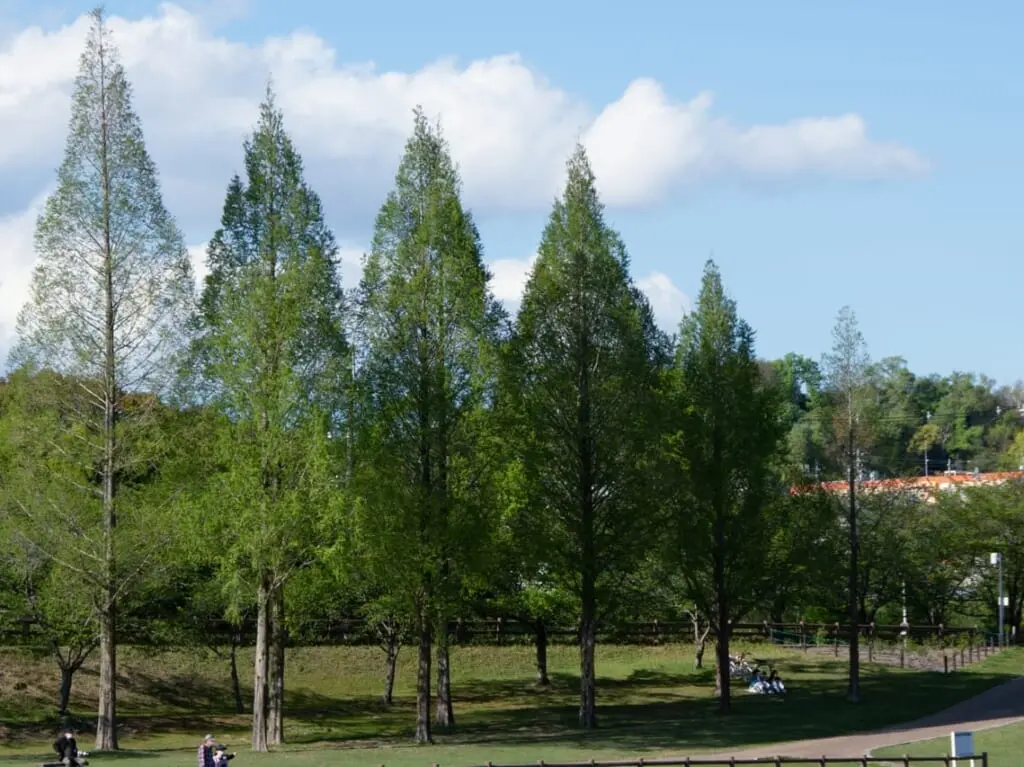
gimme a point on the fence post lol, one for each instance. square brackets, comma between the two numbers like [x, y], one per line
[824, 761]
[902, 658]
[871, 642]
[803, 635]
[945, 663]
[954, 661]
[962, 664]
[984, 759]
[906, 760]
[499, 630]
[835, 643]
[778, 760]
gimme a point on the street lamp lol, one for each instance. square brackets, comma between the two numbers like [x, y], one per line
[997, 559]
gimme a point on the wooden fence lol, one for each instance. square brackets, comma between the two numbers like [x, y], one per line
[500, 631]
[978, 760]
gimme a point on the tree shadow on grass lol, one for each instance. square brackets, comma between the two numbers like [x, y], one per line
[648, 711]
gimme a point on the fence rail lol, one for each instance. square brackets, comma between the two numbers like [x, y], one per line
[979, 760]
[16, 630]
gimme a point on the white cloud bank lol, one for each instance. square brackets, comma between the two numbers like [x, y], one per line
[510, 130]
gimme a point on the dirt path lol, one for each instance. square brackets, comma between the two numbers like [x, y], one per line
[999, 706]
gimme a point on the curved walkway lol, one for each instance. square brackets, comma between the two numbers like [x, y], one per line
[1001, 705]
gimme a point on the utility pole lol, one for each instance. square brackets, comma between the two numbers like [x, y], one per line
[1002, 632]
[997, 559]
[928, 419]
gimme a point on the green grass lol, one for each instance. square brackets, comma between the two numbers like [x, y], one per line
[651, 702]
[1004, 745]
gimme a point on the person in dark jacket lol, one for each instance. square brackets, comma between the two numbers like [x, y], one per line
[67, 749]
[221, 757]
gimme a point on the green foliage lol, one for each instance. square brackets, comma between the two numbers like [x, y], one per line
[272, 357]
[723, 451]
[428, 334]
[582, 373]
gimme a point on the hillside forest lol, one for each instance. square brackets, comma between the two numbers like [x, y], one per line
[275, 459]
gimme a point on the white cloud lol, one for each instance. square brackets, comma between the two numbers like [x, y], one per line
[16, 262]
[508, 277]
[668, 302]
[510, 128]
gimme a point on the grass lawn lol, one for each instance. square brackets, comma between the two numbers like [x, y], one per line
[651, 702]
[1003, 744]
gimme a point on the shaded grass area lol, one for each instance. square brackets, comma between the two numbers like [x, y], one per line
[651, 702]
[1004, 746]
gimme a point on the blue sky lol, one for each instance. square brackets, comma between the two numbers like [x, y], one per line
[932, 263]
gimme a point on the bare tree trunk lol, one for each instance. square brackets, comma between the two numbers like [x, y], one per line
[541, 641]
[260, 663]
[702, 643]
[275, 713]
[854, 687]
[391, 647]
[588, 676]
[722, 627]
[423, 734]
[445, 716]
[106, 724]
[236, 684]
[66, 675]
[588, 558]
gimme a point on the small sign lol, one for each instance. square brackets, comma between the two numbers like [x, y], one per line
[961, 744]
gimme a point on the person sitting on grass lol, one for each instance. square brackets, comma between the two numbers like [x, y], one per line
[221, 756]
[67, 749]
[757, 681]
[775, 683]
[204, 757]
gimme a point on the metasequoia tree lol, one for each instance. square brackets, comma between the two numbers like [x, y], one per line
[582, 372]
[109, 298]
[272, 356]
[428, 333]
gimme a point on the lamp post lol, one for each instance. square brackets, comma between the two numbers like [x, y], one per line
[997, 559]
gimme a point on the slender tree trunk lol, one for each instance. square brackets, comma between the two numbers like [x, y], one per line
[445, 714]
[278, 637]
[854, 613]
[66, 675]
[260, 664]
[541, 642]
[106, 724]
[423, 734]
[722, 618]
[236, 684]
[391, 648]
[588, 676]
[588, 560]
[702, 643]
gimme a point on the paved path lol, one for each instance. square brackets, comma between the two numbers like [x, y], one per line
[999, 706]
